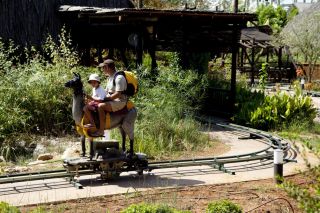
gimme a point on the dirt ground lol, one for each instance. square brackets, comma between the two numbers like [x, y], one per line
[248, 195]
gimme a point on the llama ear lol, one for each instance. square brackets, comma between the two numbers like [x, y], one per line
[79, 76]
[75, 74]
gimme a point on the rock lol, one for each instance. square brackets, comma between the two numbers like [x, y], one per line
[44, 157]
[71, 152]
[16, 169]
[2, 159]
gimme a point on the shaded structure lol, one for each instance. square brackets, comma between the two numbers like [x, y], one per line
[117, 25]
[184, 31]
[28, 22]
[255, 42]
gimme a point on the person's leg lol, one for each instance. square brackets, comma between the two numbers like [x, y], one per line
[87, 114]
[102, 109]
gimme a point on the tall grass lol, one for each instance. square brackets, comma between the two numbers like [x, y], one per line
[166, 104]
[35, 101]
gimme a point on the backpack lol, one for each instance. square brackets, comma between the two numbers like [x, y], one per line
[132, 82]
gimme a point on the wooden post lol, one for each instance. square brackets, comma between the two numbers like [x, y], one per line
[234, 67]
[242, 55]
[235, 6]
[140, 3]
[124, 58]
[280, 58]
[252, 62]
[139, 51]
[280, 64]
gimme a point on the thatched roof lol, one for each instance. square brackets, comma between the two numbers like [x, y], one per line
[29, 21]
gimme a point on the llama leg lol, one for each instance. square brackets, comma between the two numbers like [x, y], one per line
[123, 134]
[83, 145]
[91, 148]
[131, 148]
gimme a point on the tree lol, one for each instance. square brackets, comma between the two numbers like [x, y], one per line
[276, 18]
[302, 36]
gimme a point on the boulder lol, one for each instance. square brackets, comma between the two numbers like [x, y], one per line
[44, 157]
[2, 159]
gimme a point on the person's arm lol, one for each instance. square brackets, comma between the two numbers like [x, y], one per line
[115, 95]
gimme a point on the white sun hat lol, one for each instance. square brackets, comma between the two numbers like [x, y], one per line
[94, 77]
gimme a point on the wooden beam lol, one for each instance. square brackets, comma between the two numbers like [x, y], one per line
[234, 66]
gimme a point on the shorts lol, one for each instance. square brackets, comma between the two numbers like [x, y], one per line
[117, 105]
[93, 105]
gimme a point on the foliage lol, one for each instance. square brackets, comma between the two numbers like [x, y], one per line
[166, 106]
[282, 109]
[263, 75]
[273, 111]
[167, 4]
[305, 133]
[6, 208]
[150, 208]
[35, 101]
[276, 18]
[306, 194]
[293, 11]
[33, 97]
[223, 206]
[246, 103]
[302, 36]
[308, 201]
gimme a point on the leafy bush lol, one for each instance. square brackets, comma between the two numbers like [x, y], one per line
[274, 111]
[150, 208]
[282, 109]
[6, 208]
[246, 103]
[223, 206]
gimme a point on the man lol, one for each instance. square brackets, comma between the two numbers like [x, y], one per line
[116, 99]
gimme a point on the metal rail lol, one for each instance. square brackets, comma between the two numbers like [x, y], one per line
[263, 155]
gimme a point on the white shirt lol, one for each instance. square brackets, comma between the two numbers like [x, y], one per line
[120, 85]
[99, 93]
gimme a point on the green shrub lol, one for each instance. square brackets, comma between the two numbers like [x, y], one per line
[6, 208]
[33, 97]
[246, 103]
[150, 208]
[273, 111]
[283, 109]
[223, 206]
[307, 195]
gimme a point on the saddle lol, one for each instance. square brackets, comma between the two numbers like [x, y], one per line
[95, 115]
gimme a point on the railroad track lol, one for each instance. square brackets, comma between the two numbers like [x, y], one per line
[230, 164]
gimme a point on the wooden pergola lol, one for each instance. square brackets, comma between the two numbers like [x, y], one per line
[151, 30]
[256, 42]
